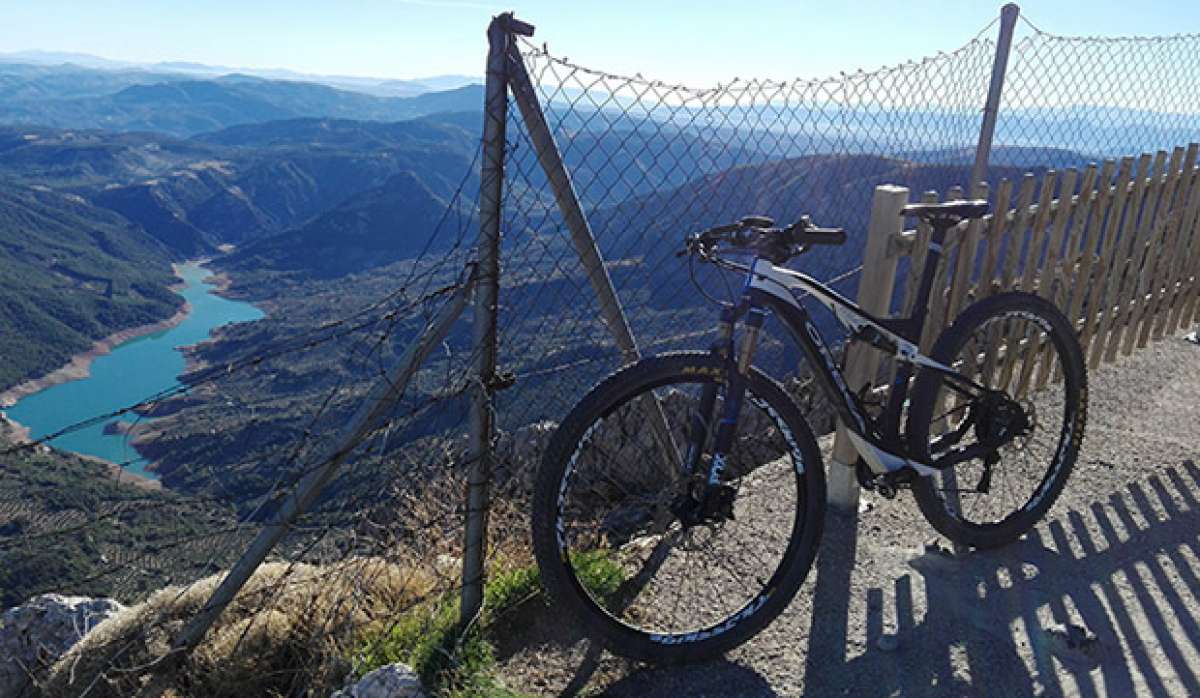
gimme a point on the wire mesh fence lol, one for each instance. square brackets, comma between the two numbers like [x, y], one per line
[256, 413]
[1072, 100]
[649, 162]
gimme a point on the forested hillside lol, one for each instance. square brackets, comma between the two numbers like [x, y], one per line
[71, 273]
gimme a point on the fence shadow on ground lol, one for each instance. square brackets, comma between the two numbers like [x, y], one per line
[1104, 601]
[1124, 573]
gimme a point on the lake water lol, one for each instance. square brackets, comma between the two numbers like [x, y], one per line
[133, 371]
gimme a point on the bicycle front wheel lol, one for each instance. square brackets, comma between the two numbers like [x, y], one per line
[614, 545]
[1021, 347]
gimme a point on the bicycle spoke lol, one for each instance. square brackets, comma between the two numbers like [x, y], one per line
[682, 592]
[1022, 465]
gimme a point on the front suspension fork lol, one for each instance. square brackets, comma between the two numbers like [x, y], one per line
[737, 370]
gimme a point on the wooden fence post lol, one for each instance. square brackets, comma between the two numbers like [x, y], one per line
[875, 290]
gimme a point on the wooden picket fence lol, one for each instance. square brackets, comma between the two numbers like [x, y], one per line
[1120, 257]
[1115, 247]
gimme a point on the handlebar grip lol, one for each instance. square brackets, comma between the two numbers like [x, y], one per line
[821, 236]
[722, 230]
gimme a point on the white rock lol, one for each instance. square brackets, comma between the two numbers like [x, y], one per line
[35, 634]
[391, 681]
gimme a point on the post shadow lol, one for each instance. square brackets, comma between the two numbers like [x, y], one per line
[1140, 588]
[829, 628]
[1073, 575]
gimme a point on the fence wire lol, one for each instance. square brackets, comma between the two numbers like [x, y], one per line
[1071, 100]
[652, 162]
[261, 409]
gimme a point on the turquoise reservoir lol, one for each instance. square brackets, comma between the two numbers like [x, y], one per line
[133, 371]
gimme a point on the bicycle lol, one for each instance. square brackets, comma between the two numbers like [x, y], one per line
[643, 496]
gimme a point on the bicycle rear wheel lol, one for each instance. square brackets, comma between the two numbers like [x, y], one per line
[613, 546]
[1021, 345]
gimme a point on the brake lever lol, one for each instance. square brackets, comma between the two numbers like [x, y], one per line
[690, 243]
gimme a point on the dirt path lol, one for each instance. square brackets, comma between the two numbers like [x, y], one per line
[1103, 598]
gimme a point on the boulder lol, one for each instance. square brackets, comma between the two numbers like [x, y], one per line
[34, 635]
[391, 681]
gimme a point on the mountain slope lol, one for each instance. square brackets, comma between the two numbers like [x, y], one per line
[71, 273]
[182, 107]
[80, 160]
[262, 179]
[377, 227]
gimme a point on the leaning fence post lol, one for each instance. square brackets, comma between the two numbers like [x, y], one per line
[379, 402]
[582, 237]
[875, 289]
[491, 180]
[991, 108]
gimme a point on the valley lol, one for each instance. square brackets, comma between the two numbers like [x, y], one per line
[340, 216]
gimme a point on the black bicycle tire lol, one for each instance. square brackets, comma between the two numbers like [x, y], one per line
[557, 577]
[923, 401]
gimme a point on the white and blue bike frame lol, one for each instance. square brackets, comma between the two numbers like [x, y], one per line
[773, 289]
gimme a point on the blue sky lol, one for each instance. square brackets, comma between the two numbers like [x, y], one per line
[691, 41]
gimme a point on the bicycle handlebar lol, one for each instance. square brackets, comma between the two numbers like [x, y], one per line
[758, 232]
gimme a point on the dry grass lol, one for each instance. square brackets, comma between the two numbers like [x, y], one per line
[291, 631]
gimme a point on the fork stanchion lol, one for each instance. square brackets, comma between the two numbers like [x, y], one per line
[875, 291]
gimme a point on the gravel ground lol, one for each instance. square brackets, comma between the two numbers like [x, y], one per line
[1102, 598]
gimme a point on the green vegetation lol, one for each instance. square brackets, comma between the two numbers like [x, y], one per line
[71, 273]
[459, 664]
[67, 525]
[284, 634]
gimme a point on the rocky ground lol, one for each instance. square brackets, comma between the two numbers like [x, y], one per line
[1102, 598]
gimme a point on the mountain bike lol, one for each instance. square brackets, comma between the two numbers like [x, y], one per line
[679, 505]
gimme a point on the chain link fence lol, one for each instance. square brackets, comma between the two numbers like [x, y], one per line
[652, 162]
[1073, 100]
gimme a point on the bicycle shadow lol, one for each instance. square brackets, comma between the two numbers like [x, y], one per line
[1126, 570]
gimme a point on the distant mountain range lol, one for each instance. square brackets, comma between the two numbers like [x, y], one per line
[383, 87]
[182, 104]
[321, 189]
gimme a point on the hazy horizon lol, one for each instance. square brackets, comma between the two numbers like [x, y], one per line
[673, 41]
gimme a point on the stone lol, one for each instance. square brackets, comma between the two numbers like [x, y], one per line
[34, 635]
[1075, 642]
[391, 681]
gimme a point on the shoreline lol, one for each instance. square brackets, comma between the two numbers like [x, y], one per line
[19, 433]
[79, 366]
[121, 475]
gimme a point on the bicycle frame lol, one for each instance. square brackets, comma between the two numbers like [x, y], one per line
[771, 288]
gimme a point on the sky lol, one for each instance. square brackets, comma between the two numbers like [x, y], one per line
[690, 41]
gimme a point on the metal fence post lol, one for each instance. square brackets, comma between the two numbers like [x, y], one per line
[491, 181]
[374, 409]
[875, 290]
[991, 109]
